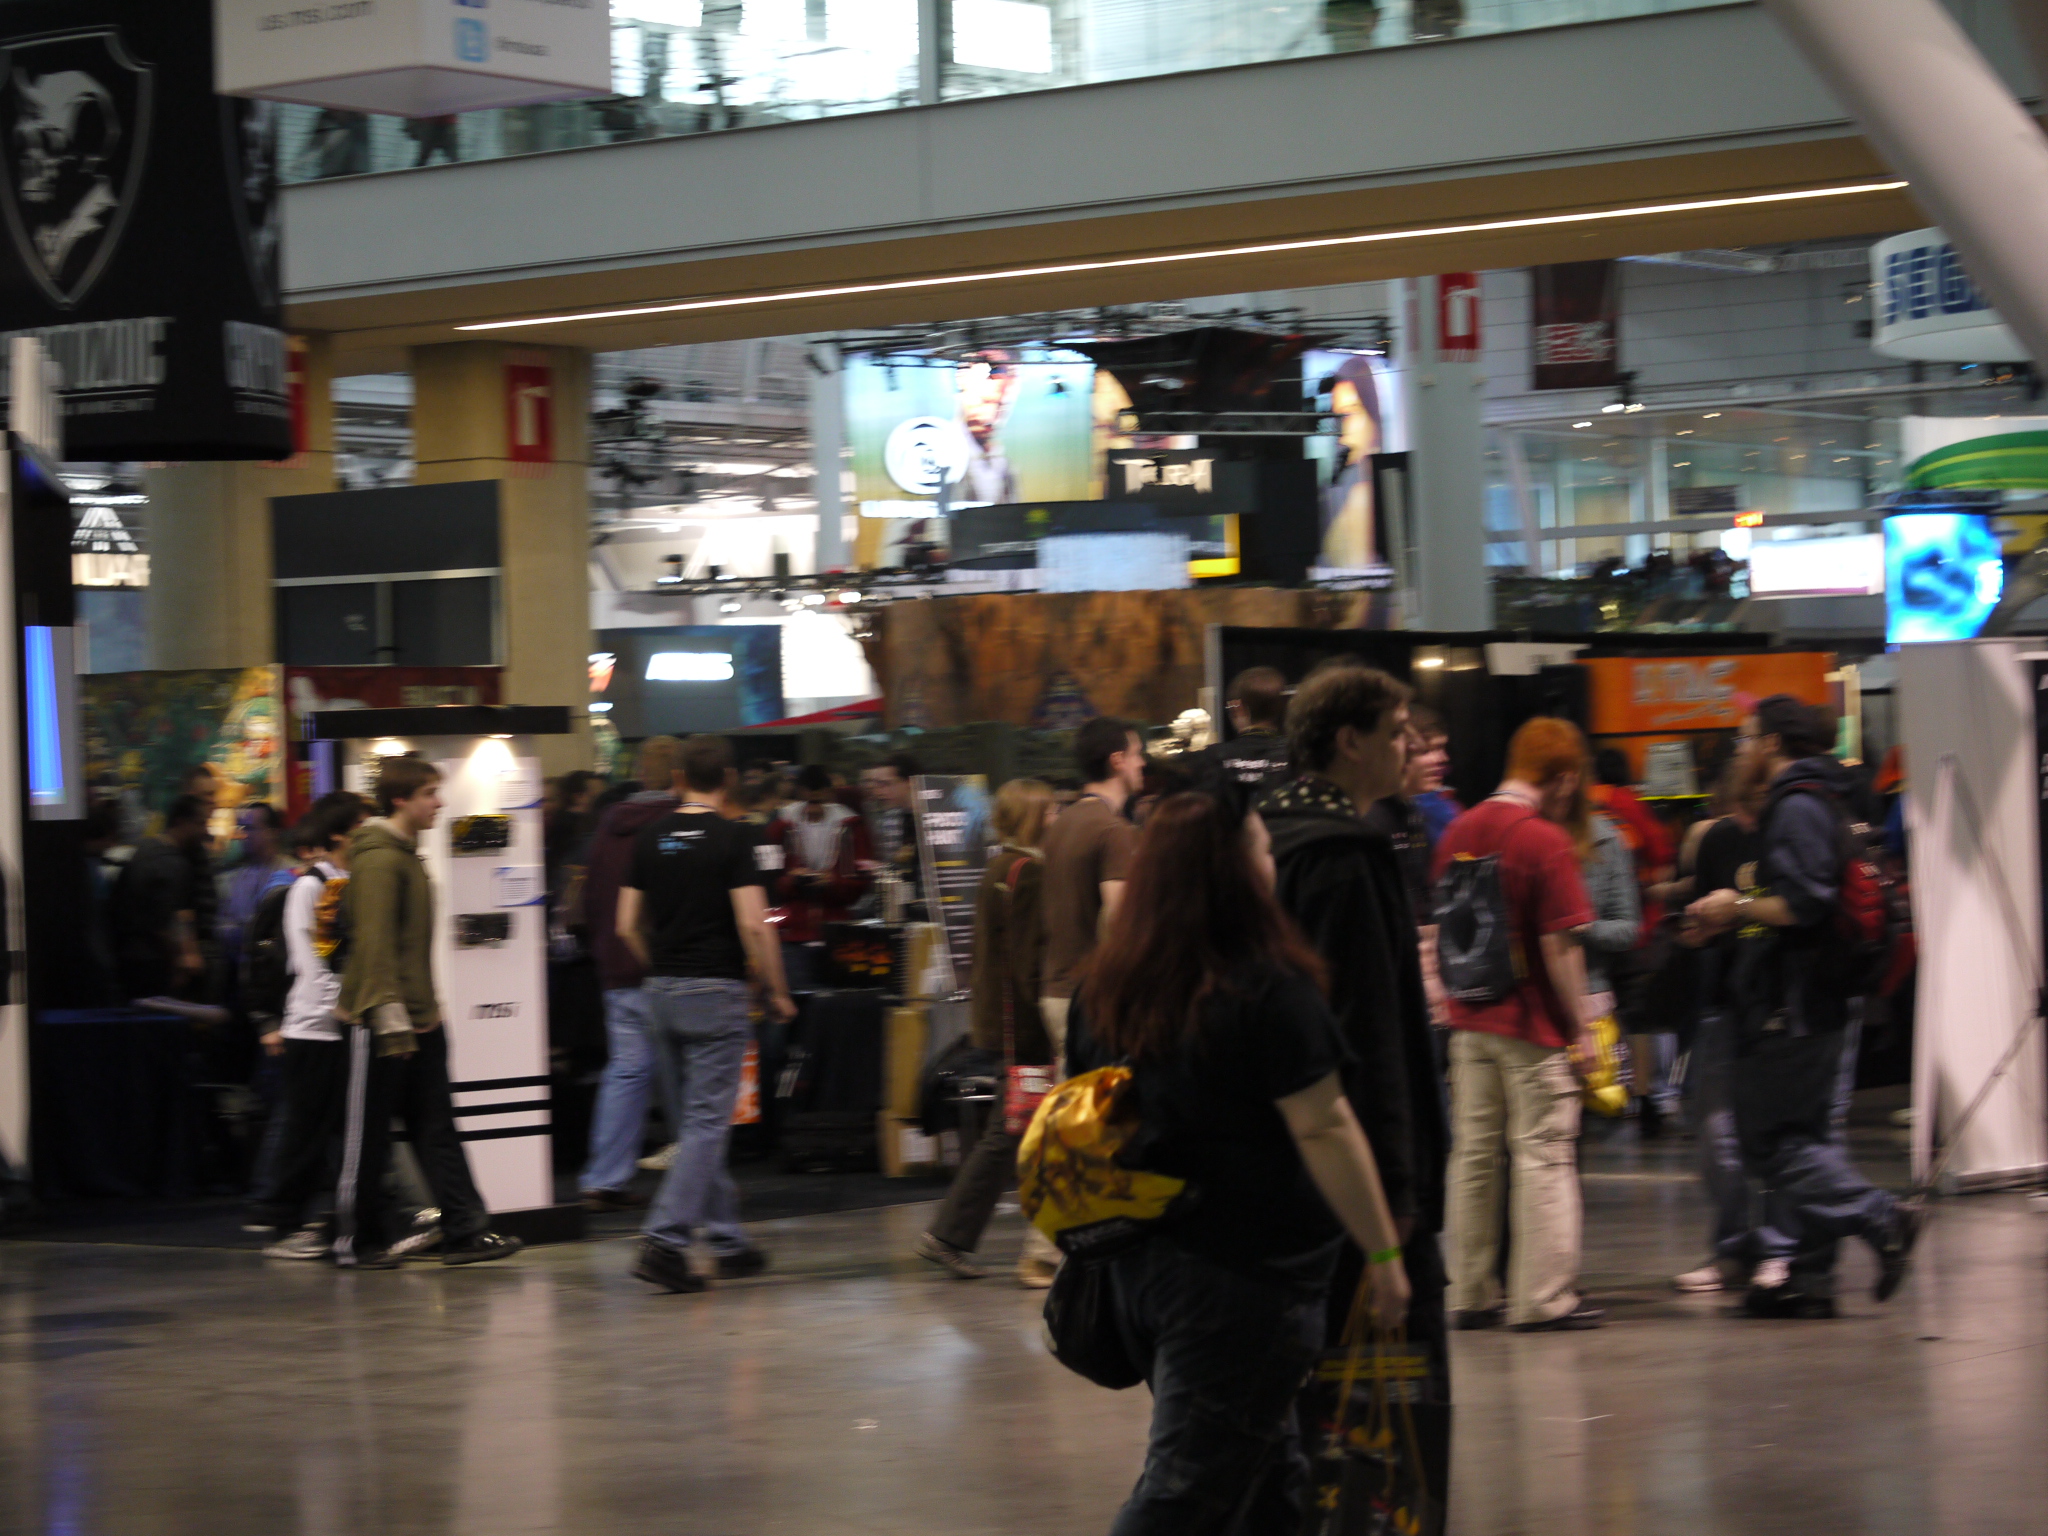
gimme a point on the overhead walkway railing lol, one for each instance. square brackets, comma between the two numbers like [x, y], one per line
[701, 66]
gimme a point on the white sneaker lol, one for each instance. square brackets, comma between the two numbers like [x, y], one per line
[1036, 1274]
[306, 1243]
[1771, 1275]
[1708, 1277]
[659, 1162]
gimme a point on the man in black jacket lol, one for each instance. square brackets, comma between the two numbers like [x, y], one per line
[1341, 880]
[1797, 1017]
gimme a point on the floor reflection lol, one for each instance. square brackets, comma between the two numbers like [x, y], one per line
[852, 1390]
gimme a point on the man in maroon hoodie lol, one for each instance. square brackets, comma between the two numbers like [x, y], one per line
[631, 1071]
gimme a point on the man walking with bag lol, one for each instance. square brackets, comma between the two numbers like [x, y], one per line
[1797, 1011]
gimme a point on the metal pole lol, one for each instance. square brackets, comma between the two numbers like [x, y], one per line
[1943, 119]
[931, 51]
[828, 446]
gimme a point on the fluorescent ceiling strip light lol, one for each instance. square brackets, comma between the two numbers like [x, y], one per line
[1274, 248]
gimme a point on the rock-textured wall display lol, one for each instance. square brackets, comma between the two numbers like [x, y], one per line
[1053, 659]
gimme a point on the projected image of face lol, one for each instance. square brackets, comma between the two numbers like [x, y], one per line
[1943, 575]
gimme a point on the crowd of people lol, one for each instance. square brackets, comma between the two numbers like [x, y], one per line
[1361, 1018]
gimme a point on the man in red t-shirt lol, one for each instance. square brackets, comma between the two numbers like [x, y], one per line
[1513, 1082]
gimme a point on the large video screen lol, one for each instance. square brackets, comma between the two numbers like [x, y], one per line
[1944, 573]
[1004, 425]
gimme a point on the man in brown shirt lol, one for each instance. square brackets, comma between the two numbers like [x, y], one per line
[1088, 852]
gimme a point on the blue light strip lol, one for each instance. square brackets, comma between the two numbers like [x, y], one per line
[45, 740]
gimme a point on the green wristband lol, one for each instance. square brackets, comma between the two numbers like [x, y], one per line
[1386, 1256]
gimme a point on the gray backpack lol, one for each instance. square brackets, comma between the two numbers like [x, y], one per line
[1477, 954]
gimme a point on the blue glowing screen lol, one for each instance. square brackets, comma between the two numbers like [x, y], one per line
[1943, 574]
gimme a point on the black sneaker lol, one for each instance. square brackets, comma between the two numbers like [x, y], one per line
[742, 1265]
[480, 1249]
[1483, 1317]
[667, 1268]
[1581, 1317]
[1895, 1253]
[1786, 1303]
[600, 1201]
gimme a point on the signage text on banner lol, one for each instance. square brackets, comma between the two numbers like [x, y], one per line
[1575, 325]
[140, 231]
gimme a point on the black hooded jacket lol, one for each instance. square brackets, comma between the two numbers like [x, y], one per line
[1794, 977]
[1341, 881]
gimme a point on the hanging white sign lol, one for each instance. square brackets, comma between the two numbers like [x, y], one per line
[416, 58]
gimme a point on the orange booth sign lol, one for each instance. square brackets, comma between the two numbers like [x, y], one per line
[1642, 696]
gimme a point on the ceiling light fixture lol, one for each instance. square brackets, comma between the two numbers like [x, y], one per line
[1271, 248]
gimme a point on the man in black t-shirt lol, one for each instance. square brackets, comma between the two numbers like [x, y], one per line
[693, 910]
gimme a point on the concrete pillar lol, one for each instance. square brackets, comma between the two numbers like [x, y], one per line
[2030, 18]
[1447, 472]
[461, 417]
[209, 602]
[828, 445]
[1942, 118]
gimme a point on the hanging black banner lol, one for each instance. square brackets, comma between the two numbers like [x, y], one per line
[140, 231]
[1574, 323]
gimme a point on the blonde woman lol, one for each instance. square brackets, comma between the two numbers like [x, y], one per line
[1008, 945]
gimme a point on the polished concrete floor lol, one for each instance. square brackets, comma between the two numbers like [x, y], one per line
[855, 1392]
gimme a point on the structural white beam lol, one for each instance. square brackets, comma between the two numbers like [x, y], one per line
[1941, 116]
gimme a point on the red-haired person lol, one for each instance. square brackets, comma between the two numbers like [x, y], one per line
[1514, 1087]
[1209, 991]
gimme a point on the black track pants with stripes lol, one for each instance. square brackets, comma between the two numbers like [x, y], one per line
[361, 1221]
[415, 1089]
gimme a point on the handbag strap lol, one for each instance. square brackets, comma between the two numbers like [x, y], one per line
[1009, 888]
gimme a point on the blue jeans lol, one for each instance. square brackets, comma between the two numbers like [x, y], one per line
[1709, 1087]
[700, 1026]
[1224, 1356]
[630, 1071]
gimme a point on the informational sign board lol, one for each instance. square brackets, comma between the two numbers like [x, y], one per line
[952, 815]
[1644, 695]
[140, 231]
[490, 955]
[1929, 309]
[418, 58]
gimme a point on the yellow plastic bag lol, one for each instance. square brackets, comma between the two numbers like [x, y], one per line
[1069, 1182]
[1606, 1090]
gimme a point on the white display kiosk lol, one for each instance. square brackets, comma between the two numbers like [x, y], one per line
[1976, 750]
[485, 858]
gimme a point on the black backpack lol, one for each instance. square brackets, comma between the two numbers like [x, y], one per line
[266, 961]
[1477, 955]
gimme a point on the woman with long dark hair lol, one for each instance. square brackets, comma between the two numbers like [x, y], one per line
[1204, 986]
